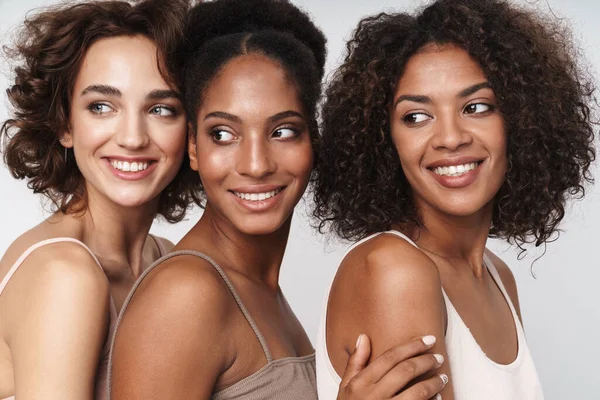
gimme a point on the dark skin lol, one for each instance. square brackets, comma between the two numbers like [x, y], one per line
[443, 115]
[183, 335]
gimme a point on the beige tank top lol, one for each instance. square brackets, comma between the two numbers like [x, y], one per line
[289, 378]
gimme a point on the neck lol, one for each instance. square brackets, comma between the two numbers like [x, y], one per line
[116, 234]
[455, 238]
[258, 257]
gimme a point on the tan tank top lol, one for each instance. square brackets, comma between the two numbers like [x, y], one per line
[289, 378]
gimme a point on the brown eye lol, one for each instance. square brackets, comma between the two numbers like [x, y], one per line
[415, 118]
[477, 108]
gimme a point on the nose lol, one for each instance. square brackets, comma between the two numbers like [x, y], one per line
[450, 132]
[132, 131]
[255, 158]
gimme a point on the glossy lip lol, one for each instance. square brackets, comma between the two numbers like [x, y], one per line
[456, 182]
[131, 176]
[260, 205]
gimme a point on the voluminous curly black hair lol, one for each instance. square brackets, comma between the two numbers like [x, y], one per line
[222, 30]
[544, 96]
[47, 57]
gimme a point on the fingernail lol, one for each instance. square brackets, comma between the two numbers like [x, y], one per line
[438, 397]
[444, 378]
[428, 340]
[439, 358]
[358, 340]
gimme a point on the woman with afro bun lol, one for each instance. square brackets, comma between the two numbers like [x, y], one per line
[99, 129]
[209, 320]
[468, 120]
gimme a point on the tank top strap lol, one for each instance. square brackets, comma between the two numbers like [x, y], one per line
[496, 277]
[159, 244]
[36, 246]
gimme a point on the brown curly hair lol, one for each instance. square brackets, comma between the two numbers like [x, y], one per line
[47, 54]
[544, 96]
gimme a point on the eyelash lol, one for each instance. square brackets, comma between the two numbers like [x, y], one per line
[173, 112]
[216, 131]
[490, 108]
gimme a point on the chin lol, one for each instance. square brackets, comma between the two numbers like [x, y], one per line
[260, 226]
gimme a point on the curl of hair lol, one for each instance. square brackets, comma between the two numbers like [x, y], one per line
[544, 96]
[222, 30]
[47, 54]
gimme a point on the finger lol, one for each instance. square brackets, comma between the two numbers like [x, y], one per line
[394, 356]
[358, 359]
[428, 389]
[399, 376]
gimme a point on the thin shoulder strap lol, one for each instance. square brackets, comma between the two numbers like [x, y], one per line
[160, 245]
[496, 277]
[245, 312]
[36, 246]
[236, 296]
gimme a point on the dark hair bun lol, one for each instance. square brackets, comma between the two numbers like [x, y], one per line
[225, 17]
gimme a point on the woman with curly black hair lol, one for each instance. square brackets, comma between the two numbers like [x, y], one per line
[210, 320]
[467, 121]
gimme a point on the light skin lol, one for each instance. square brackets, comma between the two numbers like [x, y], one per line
[250, 136]
[122, 110]
[444, 114]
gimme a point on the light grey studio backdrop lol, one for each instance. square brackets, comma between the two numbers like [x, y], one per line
[560, 306]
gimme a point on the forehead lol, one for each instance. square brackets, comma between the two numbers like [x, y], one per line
[252, 79]
[438, 69]
[123, 62]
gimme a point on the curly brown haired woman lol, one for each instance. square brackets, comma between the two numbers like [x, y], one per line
[466, 121]
[99, 129]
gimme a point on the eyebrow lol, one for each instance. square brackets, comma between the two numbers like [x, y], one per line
[162, 94]
[285, 114]
[102, 89]
[427, 100]
[224, 115]
[237, 120]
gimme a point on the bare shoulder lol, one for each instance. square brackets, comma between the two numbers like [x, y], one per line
[183, 287]
[383, 282]
[173, 331]
[508, 279]
[388, 261]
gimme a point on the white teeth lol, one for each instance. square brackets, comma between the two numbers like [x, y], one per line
[126, 166]
[257, 196]
[455, 170]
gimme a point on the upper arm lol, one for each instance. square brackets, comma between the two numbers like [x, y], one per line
[508, 280]
[59, 324]
[170, 343]
[392, 292]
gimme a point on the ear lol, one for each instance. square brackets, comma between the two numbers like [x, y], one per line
[66, 140]
[192, 153]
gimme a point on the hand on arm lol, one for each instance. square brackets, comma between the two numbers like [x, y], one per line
[389, 373]
[392, 292]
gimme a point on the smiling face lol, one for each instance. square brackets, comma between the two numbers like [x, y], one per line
[252, 145]
[127, 126]
[448, 132]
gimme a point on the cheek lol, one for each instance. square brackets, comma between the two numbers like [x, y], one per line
[214, 163]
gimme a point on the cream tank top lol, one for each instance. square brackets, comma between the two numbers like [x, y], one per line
[474, 375]
[289, 378]
[101, 373]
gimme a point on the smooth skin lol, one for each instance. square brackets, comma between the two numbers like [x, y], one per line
[443, 110]
[183, 335]
[54, 313]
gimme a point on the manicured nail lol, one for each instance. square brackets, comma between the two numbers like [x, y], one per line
[428, 340]
[439, 358]
[444, 378]
[438, 397]
[358, 340]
